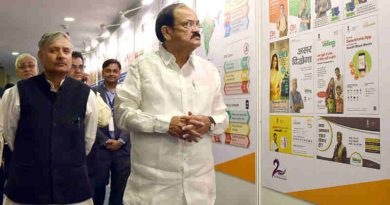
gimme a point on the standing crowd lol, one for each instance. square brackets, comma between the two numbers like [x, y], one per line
[64, 142]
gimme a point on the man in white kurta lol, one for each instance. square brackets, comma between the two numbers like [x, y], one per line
[171, 101]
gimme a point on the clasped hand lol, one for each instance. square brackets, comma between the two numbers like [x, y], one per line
[189, 127]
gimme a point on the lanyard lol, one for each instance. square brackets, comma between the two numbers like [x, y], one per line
[110, 102]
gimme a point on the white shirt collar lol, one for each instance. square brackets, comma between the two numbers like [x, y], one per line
[52, 88]
[168, 57]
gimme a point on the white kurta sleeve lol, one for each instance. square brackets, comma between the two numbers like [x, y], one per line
[10, 107]
[128, 114]
[90, 121]
[219, 113]
[104, 112]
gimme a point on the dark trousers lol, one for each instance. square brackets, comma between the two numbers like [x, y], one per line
[7, 154]
[119, 169]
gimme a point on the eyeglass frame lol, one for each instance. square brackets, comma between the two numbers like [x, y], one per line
[81, 67]
[191, 25]
[24, 67]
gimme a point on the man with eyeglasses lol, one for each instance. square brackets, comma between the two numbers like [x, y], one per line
[104, 116]
[171, 101]
[26, 66]
[77, 71]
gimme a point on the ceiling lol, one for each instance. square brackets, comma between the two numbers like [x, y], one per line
[22, 23]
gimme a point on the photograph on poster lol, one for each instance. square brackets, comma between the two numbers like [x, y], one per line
[279, 76]
[301, 74]
[361, 59]
[329, 81]
[292, 135]
[354, 8]
[299, 16]
[326, 12]
[349, 140]
[278, 18]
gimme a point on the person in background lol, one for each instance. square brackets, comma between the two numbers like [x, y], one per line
[104, 116]
[171, 101]
[113, 145]
[77, 71]
[50, 123]
[26, 66]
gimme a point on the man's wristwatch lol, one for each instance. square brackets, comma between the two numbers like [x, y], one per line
[212, 123]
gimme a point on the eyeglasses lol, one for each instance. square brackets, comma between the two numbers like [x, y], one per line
[23, 67]
[81, 67]
[191, 24]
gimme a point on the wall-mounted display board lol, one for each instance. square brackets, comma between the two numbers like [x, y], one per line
[228, 41]
[324, 100]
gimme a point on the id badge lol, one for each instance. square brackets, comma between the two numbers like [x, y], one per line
[111, 126]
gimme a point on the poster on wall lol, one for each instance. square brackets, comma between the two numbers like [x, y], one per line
[326, 12]
[354, 8]
[292, 135]
[279, 76]
[299, 18]
[329, 71]
[335, 150]
[238, 132]
[301, 97]
[349, 140]
[361, 61]
[278, 19]
[228, 42]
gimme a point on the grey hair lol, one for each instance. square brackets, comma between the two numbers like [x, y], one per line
[50, 37]
[23, 56]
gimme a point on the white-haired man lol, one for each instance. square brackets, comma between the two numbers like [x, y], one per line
[26, 66]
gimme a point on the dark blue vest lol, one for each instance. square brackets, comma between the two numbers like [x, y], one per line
[49, 162]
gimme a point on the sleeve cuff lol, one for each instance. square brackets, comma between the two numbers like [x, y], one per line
[121, 140]
[161, 124]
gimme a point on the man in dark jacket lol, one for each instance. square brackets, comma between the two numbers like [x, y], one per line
[50, 125]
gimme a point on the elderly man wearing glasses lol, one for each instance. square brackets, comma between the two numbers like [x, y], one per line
[26, 66]
[171, 101]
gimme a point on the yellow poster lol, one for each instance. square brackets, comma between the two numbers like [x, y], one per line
[280, 134]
